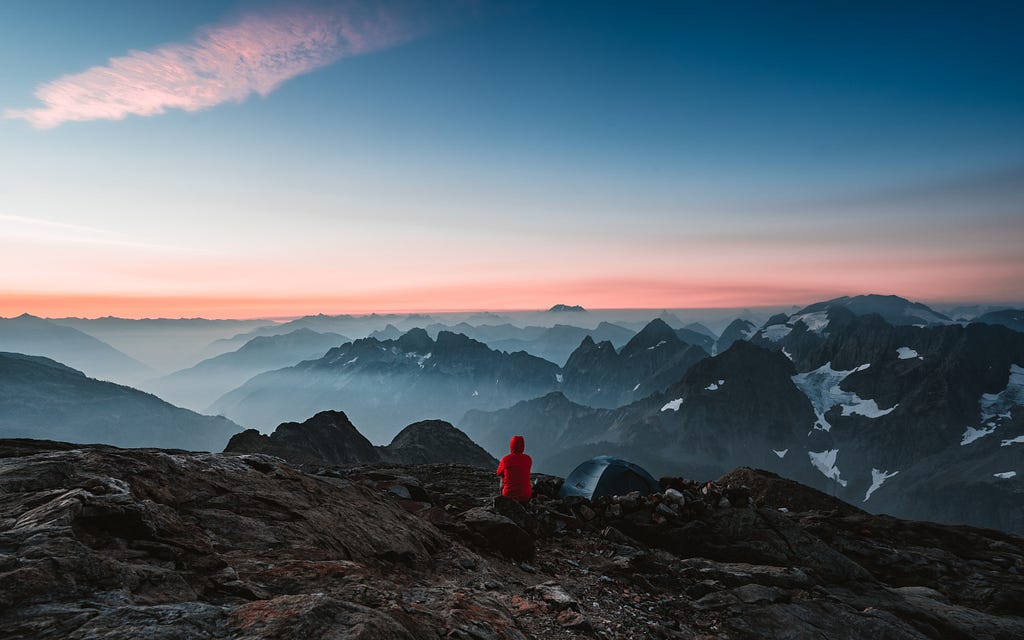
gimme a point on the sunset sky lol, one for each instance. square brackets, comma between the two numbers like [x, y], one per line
[242, 159]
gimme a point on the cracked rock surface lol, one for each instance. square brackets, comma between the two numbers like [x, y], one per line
[100, 542]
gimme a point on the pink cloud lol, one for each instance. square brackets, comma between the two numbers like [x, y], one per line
[229, 63]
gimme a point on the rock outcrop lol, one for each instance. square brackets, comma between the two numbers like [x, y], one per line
[326, 438]
[436, 441]
[330, 438]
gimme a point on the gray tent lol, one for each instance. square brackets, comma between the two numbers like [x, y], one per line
[607, 476]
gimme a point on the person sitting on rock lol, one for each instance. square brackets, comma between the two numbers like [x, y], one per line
[514, 470]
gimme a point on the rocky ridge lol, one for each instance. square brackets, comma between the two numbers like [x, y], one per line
[103, 542]
[329, 437]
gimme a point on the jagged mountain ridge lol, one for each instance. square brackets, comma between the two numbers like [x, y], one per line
[383, 384]
[598, 375]
[386, 383]
[41, 398]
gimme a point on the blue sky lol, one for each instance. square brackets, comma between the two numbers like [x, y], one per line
[511, 155]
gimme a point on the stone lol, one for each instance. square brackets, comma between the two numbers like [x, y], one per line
[499, 533]
[553, 594]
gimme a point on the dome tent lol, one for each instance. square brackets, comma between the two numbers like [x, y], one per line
[607, 476]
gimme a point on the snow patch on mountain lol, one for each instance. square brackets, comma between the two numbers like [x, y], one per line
[821, 387]
[673, 405]
[1005, 475]
[816, 321]
[776, 332]
[559, 378]
[781, 454]
[998, 405]
[866, 408]
[714, 385]
[972, 434]
[825, 462]
[1017, 440]
[877, 479]
[906, 353]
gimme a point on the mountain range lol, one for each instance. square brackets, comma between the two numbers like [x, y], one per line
[383, 384]
[917, 421]
[877, 400]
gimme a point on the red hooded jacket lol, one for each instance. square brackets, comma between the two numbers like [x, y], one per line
[515, 471]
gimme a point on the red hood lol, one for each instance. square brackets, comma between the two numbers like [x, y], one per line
[517, 444]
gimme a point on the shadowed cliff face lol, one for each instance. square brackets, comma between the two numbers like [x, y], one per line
[103, 542]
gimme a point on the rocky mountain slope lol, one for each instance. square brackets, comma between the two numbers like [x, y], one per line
[598, 375]
[330, 438]
[199, 385]
[119, 544]
[41, 398]
[738, 329]
[35, 336]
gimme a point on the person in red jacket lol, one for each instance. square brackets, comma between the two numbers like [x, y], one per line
[514, 470]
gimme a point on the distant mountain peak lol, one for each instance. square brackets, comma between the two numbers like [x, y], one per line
[565, 308]
[654, 333]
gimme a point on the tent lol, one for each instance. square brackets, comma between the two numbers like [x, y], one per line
[607, 476]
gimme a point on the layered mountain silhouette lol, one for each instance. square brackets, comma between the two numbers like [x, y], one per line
[387, 383]
[198, 386]
[42, 398]
[345, 324]
[165, 344]
[1011, 318]
[31, 335]
[330, 438]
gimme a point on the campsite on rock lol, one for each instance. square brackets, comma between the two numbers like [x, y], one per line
[101, 542]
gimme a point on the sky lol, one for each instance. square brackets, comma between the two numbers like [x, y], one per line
[247, 159]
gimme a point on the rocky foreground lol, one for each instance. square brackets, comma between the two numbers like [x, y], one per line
[99, 542]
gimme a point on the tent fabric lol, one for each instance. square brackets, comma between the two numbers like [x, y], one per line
[607, 476]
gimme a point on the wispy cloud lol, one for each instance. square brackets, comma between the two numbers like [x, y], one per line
[42, 222]
[228, 63]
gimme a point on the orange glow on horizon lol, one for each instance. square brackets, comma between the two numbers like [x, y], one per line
[592, 294]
